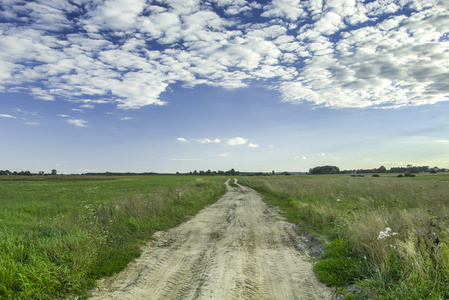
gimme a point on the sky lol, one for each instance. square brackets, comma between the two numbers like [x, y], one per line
[183, 85]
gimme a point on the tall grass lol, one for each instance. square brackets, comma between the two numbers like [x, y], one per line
[410, 260]
[57, 236]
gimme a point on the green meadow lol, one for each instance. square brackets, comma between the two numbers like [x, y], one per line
[387, 237]
[58, 234]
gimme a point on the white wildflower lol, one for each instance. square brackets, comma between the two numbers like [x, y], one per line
[386, 233]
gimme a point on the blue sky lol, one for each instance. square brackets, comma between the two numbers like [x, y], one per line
[179, 85]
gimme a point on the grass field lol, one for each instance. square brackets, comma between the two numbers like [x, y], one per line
[58, 234]
[388, 235]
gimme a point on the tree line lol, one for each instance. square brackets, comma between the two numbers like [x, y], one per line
[27, 173]
[408, 169]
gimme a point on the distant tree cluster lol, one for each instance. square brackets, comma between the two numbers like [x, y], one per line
[231, 172]
[408, 169]
[25, 173]
[122, 173]
[324, 170]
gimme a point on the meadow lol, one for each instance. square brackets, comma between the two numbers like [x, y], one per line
[58, 234]
[387, 237]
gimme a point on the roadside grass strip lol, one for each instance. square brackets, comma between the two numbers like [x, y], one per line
[387, 236]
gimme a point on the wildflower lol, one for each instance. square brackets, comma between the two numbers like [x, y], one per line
[338, 200]
[386, 233]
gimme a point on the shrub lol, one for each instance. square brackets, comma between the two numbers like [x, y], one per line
[199, 181]
[376, 175]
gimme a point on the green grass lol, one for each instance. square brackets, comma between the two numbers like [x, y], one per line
[232, 182]
[409, 261]
[58, 234]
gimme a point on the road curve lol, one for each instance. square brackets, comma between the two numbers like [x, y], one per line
[236, 248]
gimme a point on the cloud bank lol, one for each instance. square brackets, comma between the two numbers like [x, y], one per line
[332, 53]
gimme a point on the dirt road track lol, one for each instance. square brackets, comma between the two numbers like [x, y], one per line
[237, 248]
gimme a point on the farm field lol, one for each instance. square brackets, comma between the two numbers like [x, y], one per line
[387, 237]
[58, 234]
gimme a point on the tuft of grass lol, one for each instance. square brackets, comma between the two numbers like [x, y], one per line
[199, 181]
[232, 182]
[340, 266]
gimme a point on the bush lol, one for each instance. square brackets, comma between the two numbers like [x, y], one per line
[199, 181]
[376, 175]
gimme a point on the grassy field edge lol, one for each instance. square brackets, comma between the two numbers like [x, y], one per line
[386, 237]
[57, 238]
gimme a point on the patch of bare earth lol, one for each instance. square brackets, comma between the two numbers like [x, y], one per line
[237, 248]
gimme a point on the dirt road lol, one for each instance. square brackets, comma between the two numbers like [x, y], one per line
[237, 248]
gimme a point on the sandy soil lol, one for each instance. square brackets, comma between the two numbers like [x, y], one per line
[237, 248]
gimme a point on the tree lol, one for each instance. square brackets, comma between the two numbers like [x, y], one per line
[54, 172]
[325, 170]
[382, 169]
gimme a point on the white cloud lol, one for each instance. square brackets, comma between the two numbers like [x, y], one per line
[208, 141]
[288, 9]
[126, 118]
[118, 14]
[77, 122]
[131, 52]
[300, 158]
[251, 145]
[63, 116]
[442, 141]
[7, 116]
[182, 140]
[237, 141]
[222, 155]
[205, 141]
[88, 106]
[31, 123]
[329, 23]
